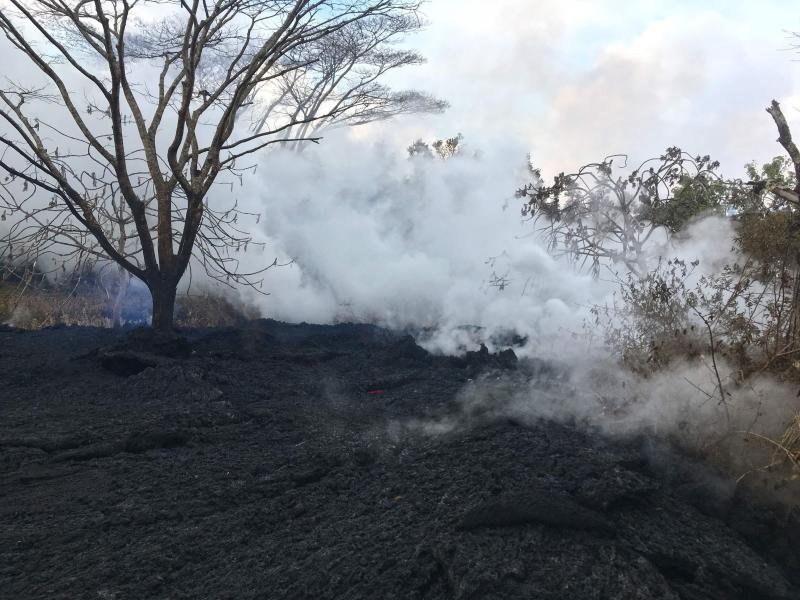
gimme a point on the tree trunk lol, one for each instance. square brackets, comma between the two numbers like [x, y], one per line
[794, 323]
[163, 293]
[793, 197]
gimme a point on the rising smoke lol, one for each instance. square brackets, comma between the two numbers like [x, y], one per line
[411, 243]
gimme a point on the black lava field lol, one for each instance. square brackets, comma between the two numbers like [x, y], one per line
[282, 461]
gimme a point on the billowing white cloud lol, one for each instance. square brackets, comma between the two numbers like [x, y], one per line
[672, 84]
[377, 237]
[574, 81]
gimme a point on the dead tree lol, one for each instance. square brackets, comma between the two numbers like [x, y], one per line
[141, 107]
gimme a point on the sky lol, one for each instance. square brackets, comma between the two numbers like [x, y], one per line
[573, 81]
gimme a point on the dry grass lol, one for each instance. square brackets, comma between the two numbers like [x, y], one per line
[790, 442]
[38, 308]
[791, 439]
[212, 310]
[35, 309]
[778, 473]
[7, 299]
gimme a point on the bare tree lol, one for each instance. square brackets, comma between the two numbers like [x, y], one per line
[596, 216]
[132, 163]
[340, 83]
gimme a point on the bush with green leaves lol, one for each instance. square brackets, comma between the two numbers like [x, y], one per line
[602, 215]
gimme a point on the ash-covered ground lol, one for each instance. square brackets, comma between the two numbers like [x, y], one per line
[288, 461]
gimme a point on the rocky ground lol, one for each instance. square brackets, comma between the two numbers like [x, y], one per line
[294, 461]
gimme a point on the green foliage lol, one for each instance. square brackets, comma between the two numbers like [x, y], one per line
[692, 196]
[771, 238]
[779, 171]
[444, 149]
[449, 147]
[599, 215]
[419, 148]
[765, 190]
[749, 312]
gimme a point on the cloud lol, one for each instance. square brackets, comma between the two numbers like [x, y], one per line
[673, 84]
[574, 81]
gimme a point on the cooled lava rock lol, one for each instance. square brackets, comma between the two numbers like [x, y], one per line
[303, 461]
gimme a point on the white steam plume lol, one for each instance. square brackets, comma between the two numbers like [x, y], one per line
[422, 243]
